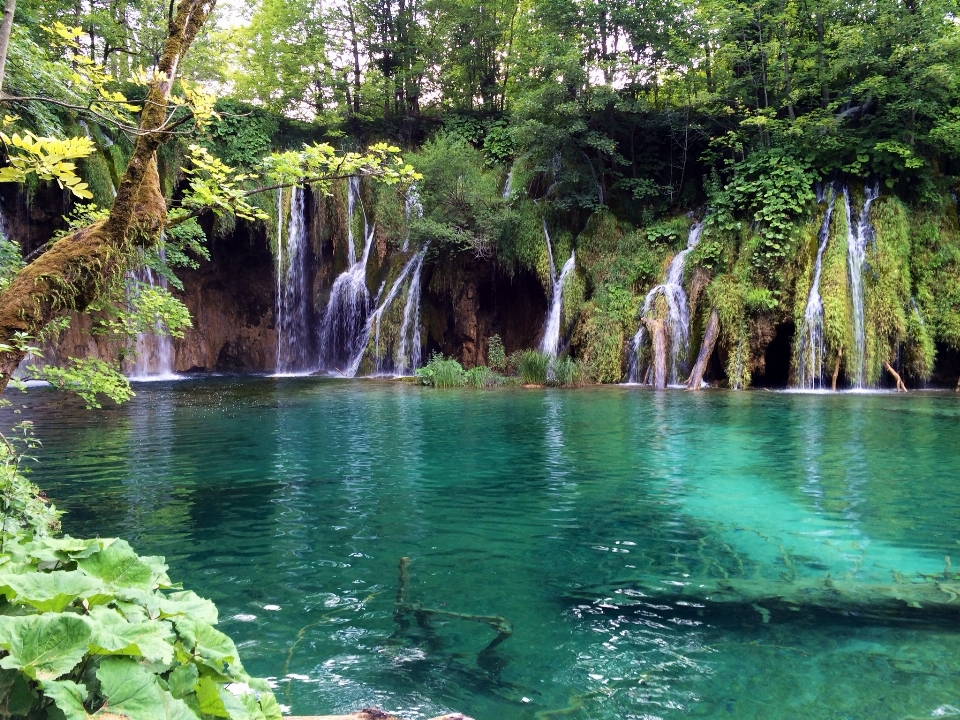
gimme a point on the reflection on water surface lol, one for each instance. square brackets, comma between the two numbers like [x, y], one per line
[657, 554]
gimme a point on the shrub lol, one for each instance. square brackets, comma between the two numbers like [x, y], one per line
[89, 628]
[562, 371]
[532, 367]
[496, 354]
[441, 372]
[479, 377]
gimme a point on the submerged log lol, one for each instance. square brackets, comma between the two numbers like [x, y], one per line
[932, 600]
[710, 335]
[658, 338]
[896, 376]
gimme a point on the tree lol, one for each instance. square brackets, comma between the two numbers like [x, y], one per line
[77, 270]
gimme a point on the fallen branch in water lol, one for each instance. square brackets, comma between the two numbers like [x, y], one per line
[896, 376]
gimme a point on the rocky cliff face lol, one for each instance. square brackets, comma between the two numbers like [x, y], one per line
[231, 299]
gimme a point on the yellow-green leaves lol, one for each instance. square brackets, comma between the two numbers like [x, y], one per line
[47, 158]
[216, 186]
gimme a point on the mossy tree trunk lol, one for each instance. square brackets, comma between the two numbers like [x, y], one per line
[78, 268]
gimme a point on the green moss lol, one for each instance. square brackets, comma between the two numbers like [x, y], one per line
[935, 254]
[887, 284]
[96, 172]
[599, 340]
[835, 292]
[727, 296]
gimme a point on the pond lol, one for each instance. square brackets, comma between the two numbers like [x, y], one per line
[655, 554]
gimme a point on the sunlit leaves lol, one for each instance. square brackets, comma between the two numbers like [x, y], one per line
[47, 158]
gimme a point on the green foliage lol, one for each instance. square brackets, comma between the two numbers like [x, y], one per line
[532, 367]
[91, 628]
[935, 266]
[11, 261]
[89, 378]
[770, 188]
[835, 292]
[463, 206]
[496, 354]
[888, 290]
[441, 372]
[728, 296]
[241, 134]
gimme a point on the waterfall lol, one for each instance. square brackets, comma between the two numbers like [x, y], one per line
[154, 351]
[411, 208]
[343, 333]
[551, 332]
[293, 290]
[508, 185]
[414, 266]
[411, 346]
[678, 315]
[810, 348]
[550, 345]
[857, 238]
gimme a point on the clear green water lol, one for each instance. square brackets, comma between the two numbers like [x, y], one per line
[598, 522]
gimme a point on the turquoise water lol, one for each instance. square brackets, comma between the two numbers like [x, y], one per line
[658, 555]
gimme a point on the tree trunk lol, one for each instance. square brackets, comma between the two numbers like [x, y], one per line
[658, 339]
[710, 335]
[896, 376]
[836, 370]
[77, 269]
[6, 27]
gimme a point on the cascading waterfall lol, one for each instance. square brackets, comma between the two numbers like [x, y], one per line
[678, 316]
[154, 351]
[293, 290]
[411, 208]
[858, 235]
[411, 269]
[810, 348]
[343, 332]
[550, 345]
[408, 356]
[508, 185]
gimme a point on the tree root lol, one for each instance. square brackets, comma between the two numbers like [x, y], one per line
[896, 376]
[710, 335]
[658, 338]
[836, 369]
[502, 626]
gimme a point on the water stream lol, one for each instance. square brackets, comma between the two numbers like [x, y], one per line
[810, 346]
[384, 362]
[153, 352]
[678, 315]
[343, 331]
[858, 235]
[550, 345]
[294, 297]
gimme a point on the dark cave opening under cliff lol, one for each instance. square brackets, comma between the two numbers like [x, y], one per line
[777, 357]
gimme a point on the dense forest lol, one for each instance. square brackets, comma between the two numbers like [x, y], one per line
[805, 154]
[461, 192]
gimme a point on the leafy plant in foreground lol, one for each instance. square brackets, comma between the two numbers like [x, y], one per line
[90, 629]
